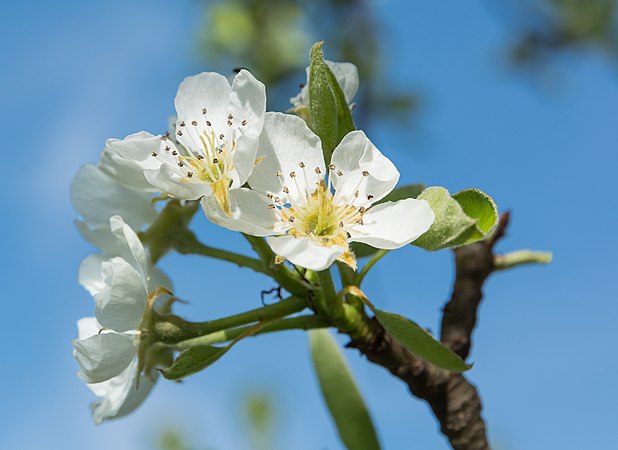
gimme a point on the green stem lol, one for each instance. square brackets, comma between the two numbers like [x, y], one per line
[281, 274]
[518, 258]
[188, 244]
[367, 267]
[171, 328]
[294, 323]
[334, 304]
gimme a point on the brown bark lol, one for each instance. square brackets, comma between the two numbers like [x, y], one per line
[454, 400]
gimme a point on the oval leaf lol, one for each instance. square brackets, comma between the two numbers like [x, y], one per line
[466, 217]
[341, 394]
[417, 340]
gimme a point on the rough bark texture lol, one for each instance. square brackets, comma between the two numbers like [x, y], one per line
[454, 401]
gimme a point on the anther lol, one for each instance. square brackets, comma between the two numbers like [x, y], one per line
[277, 199]
[194, 123]
[341, 224]
[369, 197]
[332, 167]
[292, 218]
[271, 206]
[243, 123]
[208, 123]
[269, 195]
[362, 210]
[301, 165]
[221, 136]
[200, 157]
[279, 174]
[189, 174]
[167, 148]
[154, 154]
[339, 173]
[229, 116]
[174, 153]
[182, 124]
[325, 239]
[180, 164]
[229, 123]
[179, 133]
[365, 173]
[356, 194]
[292, 174]
[215, 161]
[317, 170]
[167, 134]
[286, 190]
[164, 138]
[204, 111]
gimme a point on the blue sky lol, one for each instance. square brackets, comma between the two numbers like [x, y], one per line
[77, 73]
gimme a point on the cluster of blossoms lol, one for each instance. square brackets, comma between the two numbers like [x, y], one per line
[260, 173]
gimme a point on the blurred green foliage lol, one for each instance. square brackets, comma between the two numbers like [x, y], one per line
[550, 28]
[272, 39]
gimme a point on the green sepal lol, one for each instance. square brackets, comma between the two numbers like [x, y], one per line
[330, 115]
[461, 219]
[420, 342]
[341, 393]
[193, 360]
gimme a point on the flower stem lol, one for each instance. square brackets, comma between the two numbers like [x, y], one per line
[171, 328]
[281, 274]
[293, 323]
[367, 267]
[187, 244]
[333, 303]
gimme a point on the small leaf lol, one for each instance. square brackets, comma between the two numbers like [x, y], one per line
[330, 115]
[341, 394]
[420, 342]
[193, 360]
[466, 217]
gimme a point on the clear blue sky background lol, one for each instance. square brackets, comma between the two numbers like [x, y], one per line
[75, 73]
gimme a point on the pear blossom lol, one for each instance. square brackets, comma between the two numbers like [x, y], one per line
[310, 213]
[347, 76]
[118, 394]
[217, 132]
[120, 280]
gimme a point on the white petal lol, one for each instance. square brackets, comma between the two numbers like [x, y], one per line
[128, 244]
[98, 235]
[208, 90]
[355, 155]
[392, 225]
[91, 275]
[103, 356]
[286, 141]
[250, 213]
[96, 196]
[157, 278]
[121, 305]
[248, 104]
[125, 159]
[87, 326]
[119, 395]
[168, 182]
[305, 252]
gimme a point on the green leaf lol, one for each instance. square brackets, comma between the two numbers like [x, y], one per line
[466, 217]
[341, 394]
[331, 118]
[193, 360]
[420, 342]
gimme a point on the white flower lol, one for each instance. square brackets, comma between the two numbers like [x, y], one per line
[119, 394]
[218, 128]
[120, 281]
[115, 187]
[311, 213]
[347, 76]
